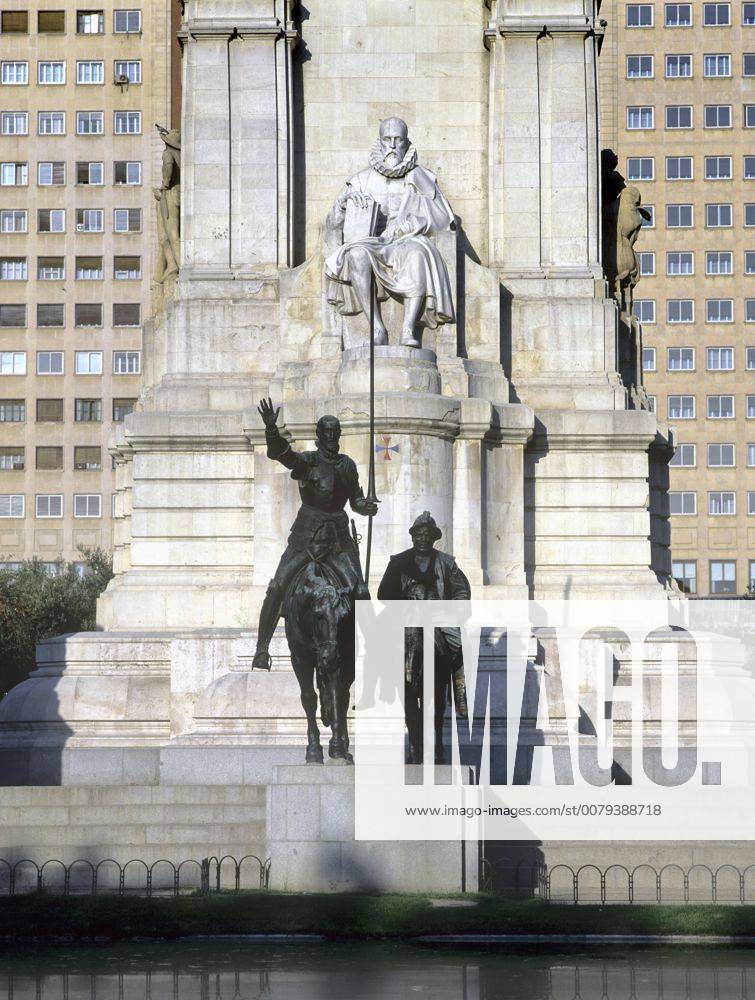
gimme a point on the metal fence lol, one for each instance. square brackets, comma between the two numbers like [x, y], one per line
[561, 883]
[134, 877]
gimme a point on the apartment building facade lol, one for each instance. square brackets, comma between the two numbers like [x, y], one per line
[81, 89]
[678, 109]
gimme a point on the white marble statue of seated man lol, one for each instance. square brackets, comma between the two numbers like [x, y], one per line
[396, 204]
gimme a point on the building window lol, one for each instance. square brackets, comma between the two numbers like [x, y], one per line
[127, 22]
[130, 268]
[648, 221]
[51, 73]
[51, 220]
[122, 408]
[640, 117]
[678, 66]
[11, 505]
[88, 314]
[748, 64]
[128, 70]
[89, 173]
[90, 22]
[127, 220]
[719, 310]
[49, 362]
[87, 505]
[89, 220]
[720, 407]
[717, 64]
[14, 174]
[14, 73]
[90, 123]
[88, 72]
[748, 171]
[89, 269]
[682, 502]
[87, 458]
[748, 14]
[14, 123]
[678, 15]
[127, 362]
[12, 362]
[127, 122]
[721, 456]
[718, 216]
[13, 314]
[718, 168]
[719, 262]
[127, 314]
[49, 411]
[716, 15]
[51, 315]
[680, 311]
[12, 411]
[749, 310]
[51, 172]
[646, 260]
[749, 214]
[722, 503]
[51, 21]
[684, 456]
[681, 407]
[12, 458]
[717, 115]
[48, 505]
[88, 362]
[750, 359]
[749, 261]
[679, 216]
[721, 359]
[51, 123]
[685, 574]
[644, 310]
[751, 407]
[679, 116]
[748, 116]
[88, 411]
[13, 269]
[648, 359]
[639, 66]
[127, 172]
[678, 168]
[49, 459]
[640, 168]
[680, 261]
[14, 22]
[681, 359]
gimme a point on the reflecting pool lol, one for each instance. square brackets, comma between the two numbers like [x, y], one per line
[236, 969]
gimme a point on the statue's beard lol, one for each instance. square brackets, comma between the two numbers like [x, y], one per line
[388, 163]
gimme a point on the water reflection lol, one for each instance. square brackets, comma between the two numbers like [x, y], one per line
[243, 971]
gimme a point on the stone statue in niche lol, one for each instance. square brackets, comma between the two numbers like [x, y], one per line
[168, 198]
[623, 218]
[387, 213]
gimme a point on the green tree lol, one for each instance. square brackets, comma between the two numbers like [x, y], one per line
[36, 604]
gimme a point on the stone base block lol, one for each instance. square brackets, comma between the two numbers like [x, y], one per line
[310, 836]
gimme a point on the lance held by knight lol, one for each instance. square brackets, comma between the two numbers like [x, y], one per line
[328, 480]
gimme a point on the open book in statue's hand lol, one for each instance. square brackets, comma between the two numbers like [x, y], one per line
[361, 220]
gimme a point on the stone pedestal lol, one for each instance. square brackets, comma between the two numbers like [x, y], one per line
[310, 835]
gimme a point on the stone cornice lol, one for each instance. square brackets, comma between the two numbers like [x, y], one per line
[226, 27]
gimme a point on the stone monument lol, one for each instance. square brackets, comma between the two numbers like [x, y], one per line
[499, 405]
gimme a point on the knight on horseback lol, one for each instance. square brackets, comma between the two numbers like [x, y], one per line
[327, 480]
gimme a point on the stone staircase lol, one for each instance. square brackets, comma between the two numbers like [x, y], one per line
[142, 822]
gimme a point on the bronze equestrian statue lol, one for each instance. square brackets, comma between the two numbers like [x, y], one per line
[424, 573]
[317, 580]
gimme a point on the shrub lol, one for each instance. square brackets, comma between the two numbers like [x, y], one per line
[37, 603]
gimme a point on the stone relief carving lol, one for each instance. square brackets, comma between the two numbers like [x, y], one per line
[168, 198]
[387, 214]
[623, 218]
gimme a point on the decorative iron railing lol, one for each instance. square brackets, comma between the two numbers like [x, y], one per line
[134, 877]
[617, 883]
